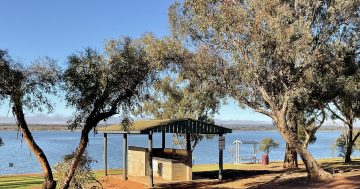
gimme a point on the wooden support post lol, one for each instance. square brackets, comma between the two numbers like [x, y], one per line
[151, 177]
[125, 162]
[105, 153]
[163, 139]
[188, 148]
[188, 142]
[220, 161]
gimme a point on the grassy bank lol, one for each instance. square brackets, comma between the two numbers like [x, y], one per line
[26, 181]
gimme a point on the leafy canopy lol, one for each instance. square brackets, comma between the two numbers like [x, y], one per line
[100, 85]
[30, 85]
[182, 89]
[276, 52]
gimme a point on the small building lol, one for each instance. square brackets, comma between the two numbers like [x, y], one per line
[166, 163]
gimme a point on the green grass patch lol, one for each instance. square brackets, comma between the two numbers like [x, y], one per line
[21, 182]
[36, 180]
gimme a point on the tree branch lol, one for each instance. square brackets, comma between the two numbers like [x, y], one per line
[337, 115]
[356, 136]
[114, 105]
[266, 97]
[257, 109]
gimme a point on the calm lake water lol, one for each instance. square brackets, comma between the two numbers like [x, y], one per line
[57, 143]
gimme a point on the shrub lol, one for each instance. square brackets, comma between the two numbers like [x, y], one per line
[341, 143]
[83, 175]
[267, 145]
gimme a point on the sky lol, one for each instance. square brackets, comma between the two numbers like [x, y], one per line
[38, 28]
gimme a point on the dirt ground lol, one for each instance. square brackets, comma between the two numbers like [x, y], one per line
[114, 182]
[252, 177]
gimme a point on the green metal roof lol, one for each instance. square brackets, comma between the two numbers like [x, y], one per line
[187, 125]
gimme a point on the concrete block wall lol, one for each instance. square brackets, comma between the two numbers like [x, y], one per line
[166, 169]
[137, 161]
[172, 170]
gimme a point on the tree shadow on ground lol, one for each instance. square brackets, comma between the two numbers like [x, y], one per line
[282, 178]
[298, 182]
[211, 178]
[340, 166]
[352, 182]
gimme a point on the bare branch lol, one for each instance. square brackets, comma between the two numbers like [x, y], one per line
[356, 136]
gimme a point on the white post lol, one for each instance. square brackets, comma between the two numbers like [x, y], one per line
[237, 153]
[254, 153]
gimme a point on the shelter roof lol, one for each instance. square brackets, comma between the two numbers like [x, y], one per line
[186, 125]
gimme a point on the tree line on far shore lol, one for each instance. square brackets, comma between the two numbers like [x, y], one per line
[296, 62]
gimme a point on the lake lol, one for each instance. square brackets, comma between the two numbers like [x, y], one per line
[57, 143]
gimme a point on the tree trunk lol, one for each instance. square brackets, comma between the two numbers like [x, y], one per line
[290, 160]
[308, 138]
[49, 182]
[349, 144]
[315, 172]
[79, 152]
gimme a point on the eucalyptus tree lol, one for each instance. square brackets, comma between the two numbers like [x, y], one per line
[183, 90]
[28, 88]
[274, 50]
[346, 108]
[101, 85]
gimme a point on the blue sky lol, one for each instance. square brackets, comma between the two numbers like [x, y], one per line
[37, 28]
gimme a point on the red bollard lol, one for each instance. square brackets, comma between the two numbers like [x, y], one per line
[265, 159]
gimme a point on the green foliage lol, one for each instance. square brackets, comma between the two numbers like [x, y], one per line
[272, 48]
[31, 84]
[182, 90]
[83, 175]
[273, 58]
[100, 85]
[308, 122]
[342, 142]
[267, 145]
[280, 57]
[29, 88]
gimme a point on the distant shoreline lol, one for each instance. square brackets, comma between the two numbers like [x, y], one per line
[236, 127]
[35, 127]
